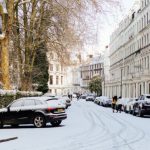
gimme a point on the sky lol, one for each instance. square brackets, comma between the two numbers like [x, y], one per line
[106, 25]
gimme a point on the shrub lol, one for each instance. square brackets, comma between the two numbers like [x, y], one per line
[7, 96]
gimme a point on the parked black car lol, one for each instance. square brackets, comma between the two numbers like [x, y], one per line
[32, 110]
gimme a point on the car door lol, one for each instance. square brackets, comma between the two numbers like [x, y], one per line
[27, 111]
[13, 112]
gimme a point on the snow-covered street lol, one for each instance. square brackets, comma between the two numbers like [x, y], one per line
[88, 127]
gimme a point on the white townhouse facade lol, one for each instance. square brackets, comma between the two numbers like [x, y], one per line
[130, 55]
[106, 69]
[91, 68]
[60, 76]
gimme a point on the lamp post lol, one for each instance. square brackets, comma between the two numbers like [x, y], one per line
[104, 79]
[121, 83]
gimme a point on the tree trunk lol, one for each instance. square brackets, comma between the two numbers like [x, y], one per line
[5, 63]
[26, 83]
[6, 27]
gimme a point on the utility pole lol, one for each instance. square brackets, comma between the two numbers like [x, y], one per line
[6, 22]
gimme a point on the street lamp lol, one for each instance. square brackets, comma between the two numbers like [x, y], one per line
[121, 83]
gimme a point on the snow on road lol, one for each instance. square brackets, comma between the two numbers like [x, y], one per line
[88, 127]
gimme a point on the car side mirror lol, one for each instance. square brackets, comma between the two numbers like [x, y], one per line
[8, 108]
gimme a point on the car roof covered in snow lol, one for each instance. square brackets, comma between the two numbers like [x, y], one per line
[37, 98]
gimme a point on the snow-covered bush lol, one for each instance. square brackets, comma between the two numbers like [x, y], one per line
[7, 96]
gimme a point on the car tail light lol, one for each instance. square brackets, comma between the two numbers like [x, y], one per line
[50, 109]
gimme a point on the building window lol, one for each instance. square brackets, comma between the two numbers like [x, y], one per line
[57, 80]
[51, 55]
[147, 39]
[61, 68]
[57, 67]
[61, 80]
[51, 80]
[140, 89]
[51, 67]
[147, 18]
[147, 62]
[56, 91]
[50, 90]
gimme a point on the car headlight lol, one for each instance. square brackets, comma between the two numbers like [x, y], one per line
[146, 103]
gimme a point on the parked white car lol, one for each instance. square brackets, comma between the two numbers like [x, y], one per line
[97, 100]
[104, 100]
[129, 105]
[65, 100]
[120, 103]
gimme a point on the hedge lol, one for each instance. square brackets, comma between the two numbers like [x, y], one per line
[7, 96]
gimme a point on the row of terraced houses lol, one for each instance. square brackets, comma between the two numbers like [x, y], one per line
[130, 55]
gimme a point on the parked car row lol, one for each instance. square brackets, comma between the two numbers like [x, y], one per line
[64, 99]
[135, 106]
[35, 110]
[103, 101]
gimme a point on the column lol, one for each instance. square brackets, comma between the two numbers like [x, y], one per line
[129, 90]
[137, 90]
[123, 90]
[143, 87]
[146, 88]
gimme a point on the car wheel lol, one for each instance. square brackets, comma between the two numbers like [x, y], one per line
[55, 123]
[140, 114]
[14, 125]
[133, 112]
[1, 124]
[130, 111]
[39, 121]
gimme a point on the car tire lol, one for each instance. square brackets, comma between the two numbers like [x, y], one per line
[140, 114]
[55, 123]
[130, 111]
[1, 124]
[133, 112]
[39, 121]
[14, 125]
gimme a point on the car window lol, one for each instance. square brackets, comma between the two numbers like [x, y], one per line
[148, 97]
[141, 97]
[52, 99]
[38, 102]
[17, 103]
[29, 102]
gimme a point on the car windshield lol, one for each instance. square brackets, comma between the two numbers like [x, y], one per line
[52, 99]
[148, 97]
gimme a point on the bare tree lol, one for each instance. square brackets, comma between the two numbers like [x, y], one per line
[61, 25]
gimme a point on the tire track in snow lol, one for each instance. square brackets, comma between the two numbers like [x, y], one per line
[124, 126]
[76, 140]
[136, 137]
[99, 132]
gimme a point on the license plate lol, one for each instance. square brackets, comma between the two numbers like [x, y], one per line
[60, 110]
